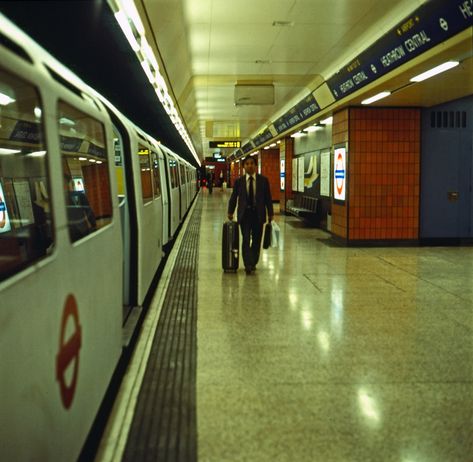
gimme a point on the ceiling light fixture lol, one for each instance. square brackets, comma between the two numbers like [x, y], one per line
[5, 99]
[311, 128]
[298, 135]
[6, 151]
[377, 97]
[327, 121]
[434, 71]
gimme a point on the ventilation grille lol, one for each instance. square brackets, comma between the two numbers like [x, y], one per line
[448, 119]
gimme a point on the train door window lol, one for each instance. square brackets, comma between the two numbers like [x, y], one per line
[145, 169]
[156, 179]
[183, 177]
[85, 171]
[26, 231]
[173, 171]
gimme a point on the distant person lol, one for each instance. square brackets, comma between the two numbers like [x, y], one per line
[210, 182]
[253, 195]
[221, 180]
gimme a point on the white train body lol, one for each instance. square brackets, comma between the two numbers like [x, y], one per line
[80, 239]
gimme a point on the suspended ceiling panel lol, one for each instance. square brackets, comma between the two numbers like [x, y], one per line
[207, 46]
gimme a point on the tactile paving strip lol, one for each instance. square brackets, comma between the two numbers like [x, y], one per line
[164, 426]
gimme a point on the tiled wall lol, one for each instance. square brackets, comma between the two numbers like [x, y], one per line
[384, 166]
[269, 159]
[340, 135]
[98, 189]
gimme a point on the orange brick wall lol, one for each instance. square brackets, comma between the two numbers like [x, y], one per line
[340, 212]
[270, 167]
[234, 172]
[384, 173]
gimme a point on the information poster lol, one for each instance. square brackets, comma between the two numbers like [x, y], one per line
[325, 174]
[5, 225]
[300, 176]
[294, 174]
[339, 174]
[23, 199]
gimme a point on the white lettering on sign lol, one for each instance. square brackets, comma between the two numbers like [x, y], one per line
[393, 56]
[466, 9]
[346, 86]
[416, 41]
[360, 77]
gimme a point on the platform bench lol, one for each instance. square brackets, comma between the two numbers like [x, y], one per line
[303, 207]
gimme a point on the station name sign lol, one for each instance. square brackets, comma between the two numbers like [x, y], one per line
[224, 144]
[262, 137]
[297, 114]
[432, 23]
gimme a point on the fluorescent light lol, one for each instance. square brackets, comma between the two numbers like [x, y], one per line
[266, 147]
[327, 121]
[5, 99]
[6, 151]
[37, 112]
[132, 13]
[148, 52]
[436, 70]
[312, 128]
[147, 69]
[36, 154]
[298, 135]
[278, 142]
[98, 162]
[92, 160]
[125, 25]
[82, 158]
[66, 121]
[377, 97]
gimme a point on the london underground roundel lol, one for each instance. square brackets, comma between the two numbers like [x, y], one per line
[339, 174]
[68, 354]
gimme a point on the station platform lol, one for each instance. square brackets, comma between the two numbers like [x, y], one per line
[325, 353]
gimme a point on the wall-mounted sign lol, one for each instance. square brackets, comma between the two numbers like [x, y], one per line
[247, 147]
[339, 174]
[430, 24]
[300, 112]
[262, 137]
[282, 174]
[224, 144]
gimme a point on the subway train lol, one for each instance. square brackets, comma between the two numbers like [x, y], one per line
[89, 204]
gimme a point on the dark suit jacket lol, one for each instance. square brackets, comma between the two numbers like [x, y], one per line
[262, 198]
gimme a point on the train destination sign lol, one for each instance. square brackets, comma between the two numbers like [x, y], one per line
[300, 112]
[432, 23]
[224, 144]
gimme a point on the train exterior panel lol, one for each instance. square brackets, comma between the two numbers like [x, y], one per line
[79, 233]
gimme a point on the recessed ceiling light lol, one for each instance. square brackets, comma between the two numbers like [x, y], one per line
[436, 70]
[377, 97]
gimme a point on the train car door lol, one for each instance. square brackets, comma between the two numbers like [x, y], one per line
[165, 197]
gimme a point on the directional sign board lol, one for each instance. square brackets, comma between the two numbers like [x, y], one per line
[224, 144]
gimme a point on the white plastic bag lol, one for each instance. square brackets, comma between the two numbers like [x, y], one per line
[274, 234]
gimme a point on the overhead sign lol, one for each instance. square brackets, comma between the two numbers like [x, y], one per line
[339, 174]
[29, 132]
[68, 351]
[297, 114]
[224, 144]
[430, 24]
[247, 148]
[262, 137]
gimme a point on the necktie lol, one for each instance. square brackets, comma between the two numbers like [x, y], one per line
[251, 193]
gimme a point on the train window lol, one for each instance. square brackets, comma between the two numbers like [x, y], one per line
[26, 231]
[174, 174]
[156, 179]
[85, 171]
[183, 174]
[145, 168]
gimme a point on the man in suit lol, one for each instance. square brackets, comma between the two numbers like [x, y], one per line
[254, 199]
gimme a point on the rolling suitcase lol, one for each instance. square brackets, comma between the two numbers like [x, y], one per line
[230, 246]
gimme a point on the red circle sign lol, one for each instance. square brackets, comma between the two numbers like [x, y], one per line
[340, 178]
[68, 351]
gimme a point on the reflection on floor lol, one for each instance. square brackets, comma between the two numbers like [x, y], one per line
[329, 353]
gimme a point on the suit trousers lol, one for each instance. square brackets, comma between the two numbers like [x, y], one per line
[252, 232]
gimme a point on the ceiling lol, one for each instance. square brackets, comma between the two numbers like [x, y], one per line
[208, 46]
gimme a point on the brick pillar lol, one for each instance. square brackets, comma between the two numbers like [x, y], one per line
[286, 153]
[269, 159]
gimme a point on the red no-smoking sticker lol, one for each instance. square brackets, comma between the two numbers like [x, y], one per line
[68, 351]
